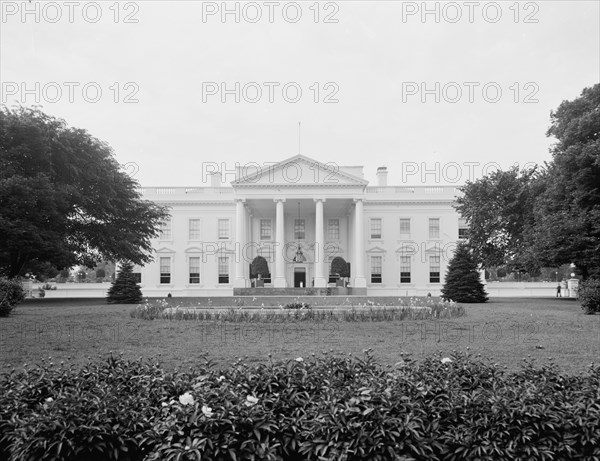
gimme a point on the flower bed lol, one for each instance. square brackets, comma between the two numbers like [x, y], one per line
[369, 312]
[332, 407]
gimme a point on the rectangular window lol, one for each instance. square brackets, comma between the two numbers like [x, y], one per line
[223, 269]
[266, 232]
[195, 270]
[194, 229]
[165, 230]
[434, 228]
[376, 263]
[463, 228]
[404, 269]
[137, 277]
[375, 228]
[223, 230]
[165, 270]
[333, 229]
[299, 229]
[405, 228]
[265, 252]
[434, 269]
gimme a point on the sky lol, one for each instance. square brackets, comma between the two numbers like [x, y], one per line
[438, 92]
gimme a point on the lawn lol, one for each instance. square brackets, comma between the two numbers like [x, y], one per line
[505, 329]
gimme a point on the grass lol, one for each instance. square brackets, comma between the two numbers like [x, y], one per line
[507, 330]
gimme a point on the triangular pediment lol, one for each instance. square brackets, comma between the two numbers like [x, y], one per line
[433, 249]
[194, 250]
[165, 250]
[376, 250]
[297, 171]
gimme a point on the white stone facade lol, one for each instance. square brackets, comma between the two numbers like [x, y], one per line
[398, 240]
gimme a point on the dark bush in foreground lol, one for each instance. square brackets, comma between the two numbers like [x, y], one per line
[11, 294]
[589, 296]
[334, 407]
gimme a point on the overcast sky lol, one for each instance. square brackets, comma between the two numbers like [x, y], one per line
[497, 70]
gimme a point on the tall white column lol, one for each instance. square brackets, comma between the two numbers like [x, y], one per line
[248, 253]
[359, 245]
[240, 242]
[319, 245]
[279, 281]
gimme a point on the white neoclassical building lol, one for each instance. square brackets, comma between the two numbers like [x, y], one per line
[299, 214]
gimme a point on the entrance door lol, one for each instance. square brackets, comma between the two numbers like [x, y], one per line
[299, 277]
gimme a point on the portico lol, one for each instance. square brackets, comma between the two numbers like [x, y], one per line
[315, 211]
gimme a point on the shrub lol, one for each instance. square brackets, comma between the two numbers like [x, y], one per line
[589, 296]
[11, 294]
[339, 266]
[297, 305]
[462, 283]
[125, 289]
[258, 267]
[327, 407]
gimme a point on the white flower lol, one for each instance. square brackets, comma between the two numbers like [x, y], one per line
[250, 401]
[221, 379]
[186, 399]
[45, 405]
[164, 404]
[207, 411]
[299, 359]
[446, 360]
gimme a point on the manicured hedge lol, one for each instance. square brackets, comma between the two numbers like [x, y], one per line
[589, 296]
[11, 294]
[330, 407]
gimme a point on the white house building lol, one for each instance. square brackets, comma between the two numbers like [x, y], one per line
[299, 214]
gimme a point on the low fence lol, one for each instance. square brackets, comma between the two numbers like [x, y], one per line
[494, 290]
[70, 290]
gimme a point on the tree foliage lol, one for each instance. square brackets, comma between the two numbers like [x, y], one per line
[259, 266]
[547, 217]
[498, 209]
[462, 283]
[64, 199]
[567, 214]
[340, 266]
[125, 290]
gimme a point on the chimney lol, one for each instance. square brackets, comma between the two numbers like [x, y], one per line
[215, 179]
[382, 176]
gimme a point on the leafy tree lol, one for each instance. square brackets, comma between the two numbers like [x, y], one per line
[462, 283]
[498, 210]
[100, 273]
[567, 213]
[259, 266]
[339, 266]
[125, 290]
[80, 205]
[547, 217]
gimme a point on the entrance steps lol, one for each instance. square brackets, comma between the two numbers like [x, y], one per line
[307, 291]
